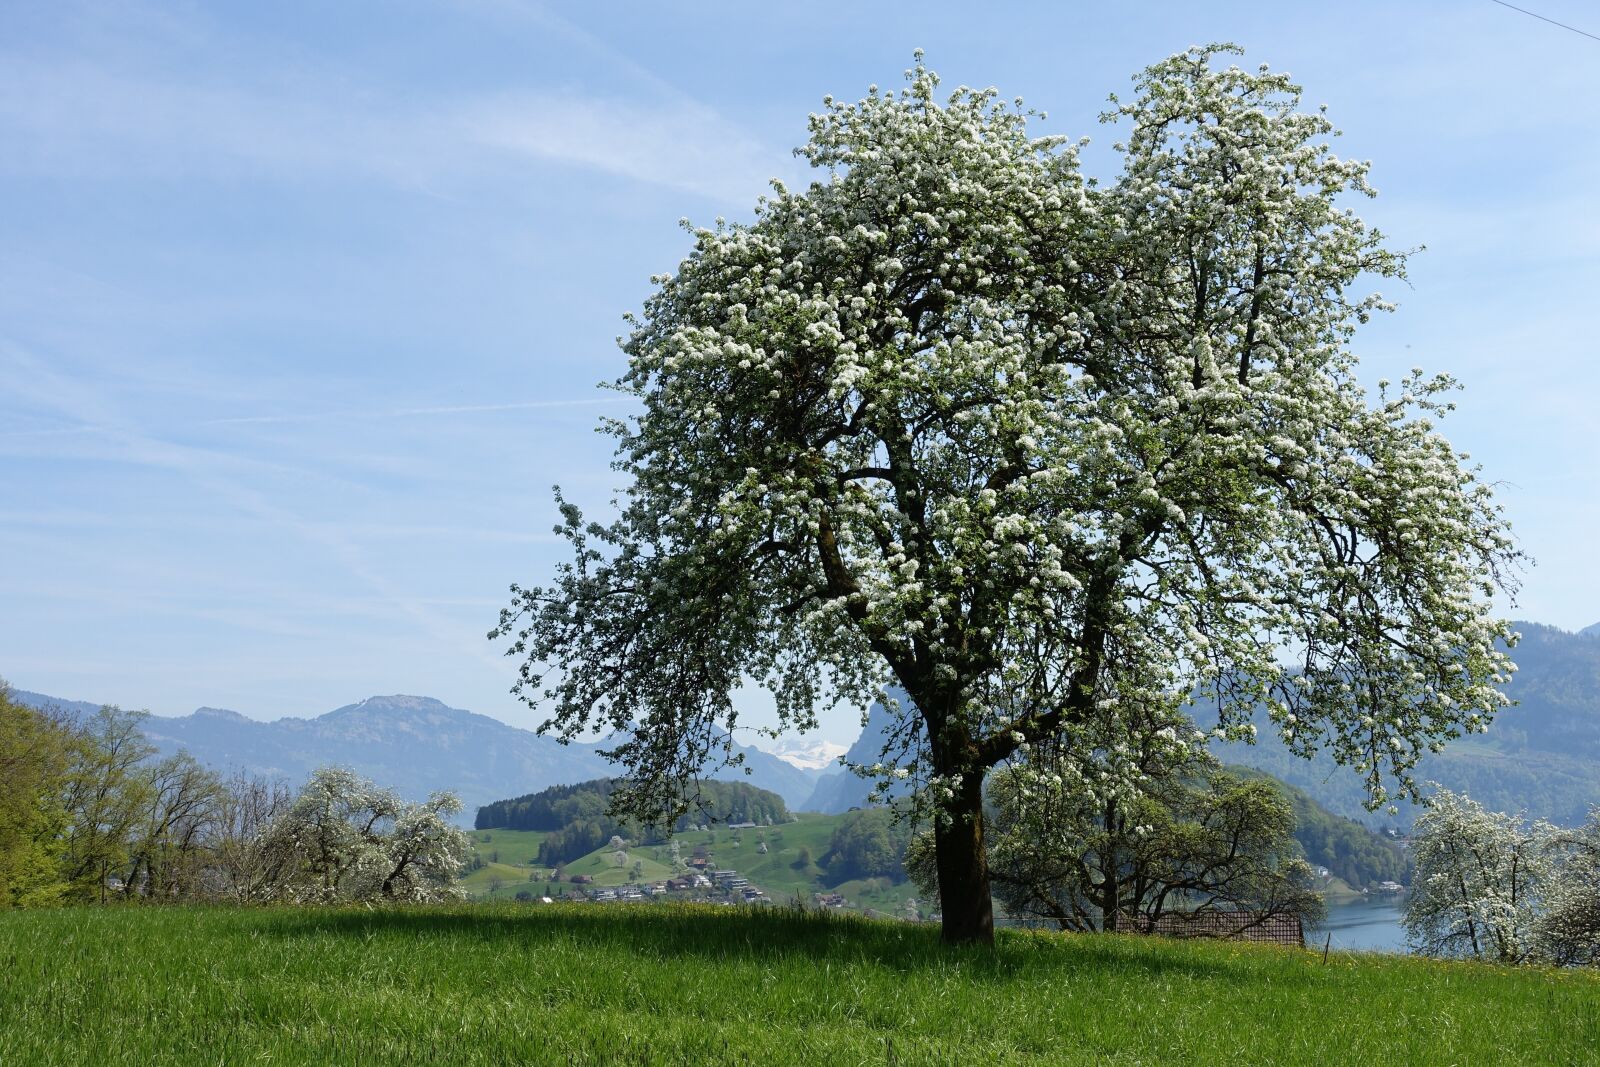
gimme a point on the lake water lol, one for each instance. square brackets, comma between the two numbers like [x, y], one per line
[1366, 924]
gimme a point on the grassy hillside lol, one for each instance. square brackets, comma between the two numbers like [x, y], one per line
[508, 866]
[797, 861]
[664, 985]
[779, 872]
[520, 847]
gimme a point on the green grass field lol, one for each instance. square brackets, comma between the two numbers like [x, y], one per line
[517, 847]
[588, 984]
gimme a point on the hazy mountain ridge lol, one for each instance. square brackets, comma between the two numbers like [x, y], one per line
[416, 745]
[771, 772]
[1541, 756]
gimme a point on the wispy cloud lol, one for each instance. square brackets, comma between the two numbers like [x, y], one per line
[81, 120]
[217, 474]
[683, 146]
[343, 415]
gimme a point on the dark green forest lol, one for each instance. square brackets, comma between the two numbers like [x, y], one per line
[870, 843]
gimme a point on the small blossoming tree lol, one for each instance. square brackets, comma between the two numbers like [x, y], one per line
[1114, 832]
[1480, 878]
[1030, 446]
[1568, 930]
[1129, 821]
[1493, 886]
[344, 839]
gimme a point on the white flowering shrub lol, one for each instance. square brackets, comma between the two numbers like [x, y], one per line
[1567, 932]
[955, 415]
[344, 839]
[1479, 880]
[1493, 886]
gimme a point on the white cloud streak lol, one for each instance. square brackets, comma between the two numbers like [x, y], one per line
[79, 120]
[212, 473]
[347, 415]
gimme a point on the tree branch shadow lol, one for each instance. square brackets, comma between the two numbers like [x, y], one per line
[711, 933]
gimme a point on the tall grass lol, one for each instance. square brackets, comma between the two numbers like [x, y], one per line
[708, 986]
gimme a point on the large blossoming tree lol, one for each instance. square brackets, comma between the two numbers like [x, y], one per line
[1034, 447]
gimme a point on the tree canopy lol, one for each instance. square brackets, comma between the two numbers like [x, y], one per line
[867, 844]
[1030, 445]
[35, 758]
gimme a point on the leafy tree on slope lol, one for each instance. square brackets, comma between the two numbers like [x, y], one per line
[35, 756]
[1027, 444]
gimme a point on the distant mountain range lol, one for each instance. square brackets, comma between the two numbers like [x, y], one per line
[1541, 756]
[814, 755]
[415, 745]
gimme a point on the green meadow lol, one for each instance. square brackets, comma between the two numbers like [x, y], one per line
[659, 984]
[510, 864]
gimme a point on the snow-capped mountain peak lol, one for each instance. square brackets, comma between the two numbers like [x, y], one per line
[809, 754]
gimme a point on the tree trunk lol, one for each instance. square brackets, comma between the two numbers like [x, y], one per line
[1110, 884]
[964, 868]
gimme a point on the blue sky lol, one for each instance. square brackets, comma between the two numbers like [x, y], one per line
[302, 306]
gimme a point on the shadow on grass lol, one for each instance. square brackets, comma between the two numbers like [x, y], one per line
[711, 933]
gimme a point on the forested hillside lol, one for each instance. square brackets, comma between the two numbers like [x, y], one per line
[575, 822]
[870, 843]
[1350, 851]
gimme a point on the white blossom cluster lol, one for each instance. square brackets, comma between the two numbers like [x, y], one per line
[1035, 447]
[344, 839]
[1493, 886]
